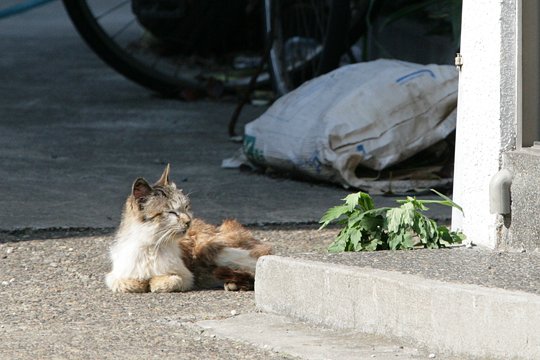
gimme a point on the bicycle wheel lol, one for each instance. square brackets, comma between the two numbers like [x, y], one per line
[309, 37]
[116, 35]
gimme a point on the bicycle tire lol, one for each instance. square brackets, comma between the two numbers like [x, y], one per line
[329, 43]
[90, 25]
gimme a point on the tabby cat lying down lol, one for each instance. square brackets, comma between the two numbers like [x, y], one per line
[160, 247]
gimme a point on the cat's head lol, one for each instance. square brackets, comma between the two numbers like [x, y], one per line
[160, 204]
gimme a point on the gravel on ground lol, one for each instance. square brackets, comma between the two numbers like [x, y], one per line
[55, 303]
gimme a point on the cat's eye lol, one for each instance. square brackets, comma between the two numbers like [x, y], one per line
[172, 212]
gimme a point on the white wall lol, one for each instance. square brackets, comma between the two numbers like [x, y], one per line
[488, 105]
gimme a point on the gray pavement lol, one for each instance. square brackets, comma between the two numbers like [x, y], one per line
[306, 341]
[55, 306]
[75, 134]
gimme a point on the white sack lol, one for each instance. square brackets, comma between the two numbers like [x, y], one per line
[375, 114]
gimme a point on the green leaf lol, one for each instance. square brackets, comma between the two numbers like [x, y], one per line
[458, 236]
[418, 204]
[393, 219]
[372, 245]
[336, 247]
[365, 202]
[332, 214]
[407, 240]
[448, 201]
[425, 228]
[371, 223]
[340, 243]
[401, 217]
[355, 218]
[355, 237]
[408, 214]
[447, 237]
[351, 200]
[394, 240]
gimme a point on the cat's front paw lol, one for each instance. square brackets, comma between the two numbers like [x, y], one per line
[129, 285]
[168, 283]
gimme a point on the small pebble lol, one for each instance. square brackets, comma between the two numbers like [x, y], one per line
[5, 283]
[9, 250]
[432, 356]
[53, 264]
[233, 312]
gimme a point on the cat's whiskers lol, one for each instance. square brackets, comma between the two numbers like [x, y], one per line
[164, 236]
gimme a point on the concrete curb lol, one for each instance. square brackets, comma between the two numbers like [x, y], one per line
[467, 320]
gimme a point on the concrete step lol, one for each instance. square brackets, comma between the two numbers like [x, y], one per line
[465, 302]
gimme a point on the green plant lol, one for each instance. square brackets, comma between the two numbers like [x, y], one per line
[366, 228]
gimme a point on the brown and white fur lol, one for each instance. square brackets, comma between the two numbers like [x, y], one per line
[160, 247]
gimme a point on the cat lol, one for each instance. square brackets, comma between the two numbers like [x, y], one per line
[160, 247]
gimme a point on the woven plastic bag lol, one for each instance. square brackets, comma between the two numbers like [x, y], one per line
[373, 114]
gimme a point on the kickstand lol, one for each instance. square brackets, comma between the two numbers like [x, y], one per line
[251, 87]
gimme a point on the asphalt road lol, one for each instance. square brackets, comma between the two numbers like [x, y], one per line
[55, 304]
[75, 135]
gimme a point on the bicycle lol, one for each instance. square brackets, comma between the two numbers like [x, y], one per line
[117, 31]
[152, 41]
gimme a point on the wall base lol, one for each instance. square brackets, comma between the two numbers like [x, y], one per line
[521, 229]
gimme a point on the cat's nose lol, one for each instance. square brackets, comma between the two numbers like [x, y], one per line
[185, 218]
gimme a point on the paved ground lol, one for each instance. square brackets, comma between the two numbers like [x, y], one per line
[55, 305]
[74, 136]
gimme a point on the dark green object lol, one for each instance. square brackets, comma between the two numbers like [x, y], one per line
[366, 228]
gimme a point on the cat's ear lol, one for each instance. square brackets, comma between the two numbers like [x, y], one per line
[164, 179]
[140, 189]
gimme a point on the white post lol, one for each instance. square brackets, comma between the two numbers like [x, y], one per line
[489, 107]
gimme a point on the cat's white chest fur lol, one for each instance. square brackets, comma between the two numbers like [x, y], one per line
[139, 254]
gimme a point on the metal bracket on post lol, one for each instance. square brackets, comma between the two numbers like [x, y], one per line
[458, 61]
